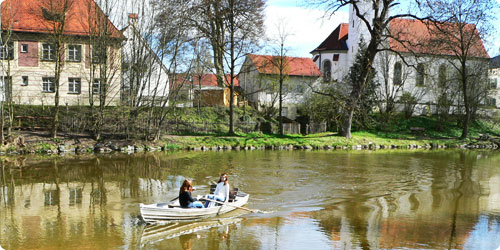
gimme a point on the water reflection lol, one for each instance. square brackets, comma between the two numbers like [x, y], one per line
[324, 200]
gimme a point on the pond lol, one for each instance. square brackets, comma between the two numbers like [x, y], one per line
[316, 200]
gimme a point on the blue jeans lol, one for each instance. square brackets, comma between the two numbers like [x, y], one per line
[196, 204]
[214, 197]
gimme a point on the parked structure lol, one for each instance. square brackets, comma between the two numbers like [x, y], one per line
[145, 77]
[28, 55]
[203, 90]
[423, 72]
[259, 78]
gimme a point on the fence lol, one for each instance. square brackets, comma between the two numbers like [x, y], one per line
[75, 122]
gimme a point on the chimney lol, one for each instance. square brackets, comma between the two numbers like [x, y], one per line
[132, 18]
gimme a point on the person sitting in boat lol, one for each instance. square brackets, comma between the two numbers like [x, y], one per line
[221, 192]
[185, 198]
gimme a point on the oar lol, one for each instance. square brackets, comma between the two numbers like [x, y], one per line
[228, 204]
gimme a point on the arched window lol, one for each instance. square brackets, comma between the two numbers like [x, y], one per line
[420, 79]
[398, 74]
[442, 76]
[327, 70]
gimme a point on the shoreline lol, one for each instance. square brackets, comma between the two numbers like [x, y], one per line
[39, 143]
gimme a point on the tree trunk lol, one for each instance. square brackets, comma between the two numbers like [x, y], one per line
[346, 128]
[281, 107]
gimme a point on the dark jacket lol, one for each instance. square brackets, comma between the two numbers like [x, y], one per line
[185, 199]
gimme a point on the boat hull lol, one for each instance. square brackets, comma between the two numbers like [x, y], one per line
[158, 212]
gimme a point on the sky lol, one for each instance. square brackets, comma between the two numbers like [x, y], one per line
[308, 27]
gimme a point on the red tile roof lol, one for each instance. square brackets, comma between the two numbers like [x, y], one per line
[419, 37]
[296, 66]
[336, 40]
[408, 34]
[27, 16]
[207, 80]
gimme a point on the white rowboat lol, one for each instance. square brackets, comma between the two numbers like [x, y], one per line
[164, 212]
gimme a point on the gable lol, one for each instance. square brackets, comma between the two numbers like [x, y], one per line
[31, 16]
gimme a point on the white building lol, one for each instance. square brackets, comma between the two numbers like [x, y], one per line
[494, 75]
[425, 72]
[149, 84]
[259, 78]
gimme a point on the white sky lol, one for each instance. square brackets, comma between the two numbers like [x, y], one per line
[309, 27]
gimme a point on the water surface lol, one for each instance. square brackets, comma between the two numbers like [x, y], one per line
[317, 199]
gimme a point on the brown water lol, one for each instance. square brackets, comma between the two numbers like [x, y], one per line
[318, 200]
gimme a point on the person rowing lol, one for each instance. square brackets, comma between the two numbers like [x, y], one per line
[221, 192]
[185, 198]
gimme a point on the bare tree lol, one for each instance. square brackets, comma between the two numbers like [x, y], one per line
[105, 61]
[281, 63]
[233, 29]
[457, 27]
[7, 54]
[56, 14]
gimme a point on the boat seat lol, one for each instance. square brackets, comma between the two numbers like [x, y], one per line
[212, 189]
[232, 194]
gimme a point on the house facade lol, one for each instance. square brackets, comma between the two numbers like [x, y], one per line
[409, 66]
[259, 80]
[28, 55]
[494, 75]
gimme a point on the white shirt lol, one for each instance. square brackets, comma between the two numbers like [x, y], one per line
[222, 190]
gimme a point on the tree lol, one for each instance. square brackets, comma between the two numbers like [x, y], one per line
[104, 59]
[375, 18]
[7, 54]
[458, 26]
[281, 63]
[56, 15]
[233, 29]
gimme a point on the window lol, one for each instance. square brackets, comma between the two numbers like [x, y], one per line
[48, 52]
[442, 75]
[336, 57]
[48, 84]
[25, 81]
[491, 102]
[74, 85]
[24, 48]
[51, 197]
[7, 51]
[75, 196]
[284, 111]
[494, 83]
[74, 53]
[398, 74]
[98, 54]
[327, 70]
[420, 79]
[96, 86]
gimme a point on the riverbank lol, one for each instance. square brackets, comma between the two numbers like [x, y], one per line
[39, 142]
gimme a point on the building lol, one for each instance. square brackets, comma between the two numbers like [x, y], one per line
[141, 87]
[204, 90]
[494, 75]
[259, 79]
[425, 72]
[207, 93]
[28, 53]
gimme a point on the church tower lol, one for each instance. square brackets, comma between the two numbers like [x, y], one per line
[357, 28]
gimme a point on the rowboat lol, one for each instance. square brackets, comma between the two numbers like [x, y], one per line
[159, 232]
[164, 212]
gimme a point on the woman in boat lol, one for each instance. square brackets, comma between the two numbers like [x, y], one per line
[221, 192]
[185, 198]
